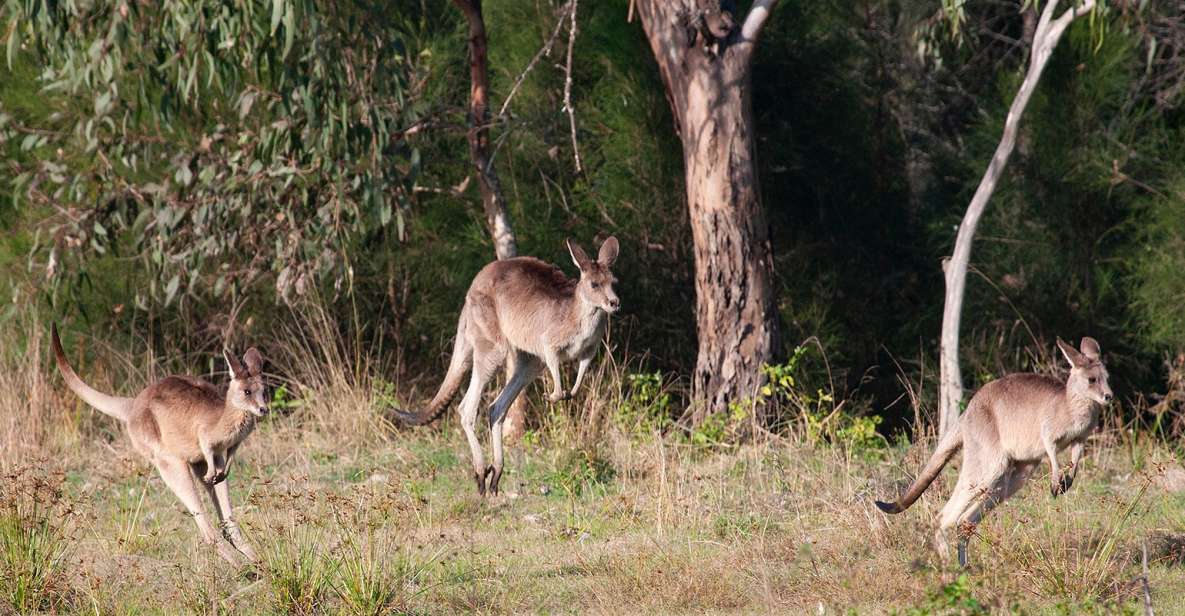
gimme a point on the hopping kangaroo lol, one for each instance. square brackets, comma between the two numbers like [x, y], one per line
[526, 312]
[189, 429]
[1010, 425]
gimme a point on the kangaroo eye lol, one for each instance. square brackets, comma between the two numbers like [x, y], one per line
[247, 392]
[1093, 380]
[596, 285]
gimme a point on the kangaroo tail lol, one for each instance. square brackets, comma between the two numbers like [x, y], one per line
[119, 408]
[458, 365]
[947, 446]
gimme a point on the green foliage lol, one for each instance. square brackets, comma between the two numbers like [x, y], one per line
[647, 408]
[384, 394]
[283, 401]
[789, 395]
[222, 145]
[1158, 264]
[957, 597]
[579, 470]
[719, 428]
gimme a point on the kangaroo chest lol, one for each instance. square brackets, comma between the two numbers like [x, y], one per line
[1081, 422]
[230, 433]
[586, 337]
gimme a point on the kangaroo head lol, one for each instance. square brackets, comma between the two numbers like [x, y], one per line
[1088, 375]
[246, 382]
[596, 281]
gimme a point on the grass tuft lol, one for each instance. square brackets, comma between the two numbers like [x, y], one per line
[33, 543]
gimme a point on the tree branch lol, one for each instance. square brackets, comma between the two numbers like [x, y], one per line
[568, 86]
[756, 19]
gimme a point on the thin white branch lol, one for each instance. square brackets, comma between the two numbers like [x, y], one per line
[1046, 17]
[756, 19]
[568, 86]
[1045, 39]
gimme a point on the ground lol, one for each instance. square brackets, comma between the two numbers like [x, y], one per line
[634, 524]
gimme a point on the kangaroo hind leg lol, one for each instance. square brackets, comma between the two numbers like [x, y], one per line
[526, 369]
[177, 474]
[963, 507]
[220, 495]
[486, 362]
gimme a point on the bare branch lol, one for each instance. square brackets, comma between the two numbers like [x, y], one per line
[568, 86]
[756, 19]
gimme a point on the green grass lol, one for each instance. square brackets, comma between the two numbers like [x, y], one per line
[657, 526]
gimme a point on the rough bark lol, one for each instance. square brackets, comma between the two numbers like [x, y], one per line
[1048, 32]
[707, 84]
[493, 203]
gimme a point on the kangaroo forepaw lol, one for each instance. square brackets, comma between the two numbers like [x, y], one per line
[210, 478]
[1062, 486]
[558, 396]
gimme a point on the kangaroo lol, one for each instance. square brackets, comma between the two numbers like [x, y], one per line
[1009, 426]
[189, 429]
[528, 313]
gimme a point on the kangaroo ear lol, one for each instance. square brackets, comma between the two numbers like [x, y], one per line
[1090, 348]
[237, 371]
[1075, 358]
[608, 252]
[254, 362]
[579, 257]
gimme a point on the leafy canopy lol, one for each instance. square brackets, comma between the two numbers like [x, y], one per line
[235, 141]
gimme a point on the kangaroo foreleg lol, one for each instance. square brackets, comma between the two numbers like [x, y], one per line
[553, 366]
[212, 468]
[580, 369]
[1075, 458]
[1055, 472]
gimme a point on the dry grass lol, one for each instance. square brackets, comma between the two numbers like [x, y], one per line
[354, 517]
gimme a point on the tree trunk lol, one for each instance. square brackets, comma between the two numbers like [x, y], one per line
[497, 219]
[707, 85]
[1045, 39]
[479, 134]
